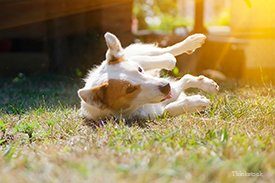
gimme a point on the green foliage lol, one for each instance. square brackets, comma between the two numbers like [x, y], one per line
[176, 71]
[78, 72]
[164, 11]
[26, 127]
[3, 126]
[223, 19]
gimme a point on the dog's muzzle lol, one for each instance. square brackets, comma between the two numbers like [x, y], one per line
[165, 89]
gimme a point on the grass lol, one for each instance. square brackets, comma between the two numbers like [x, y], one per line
[43, 138]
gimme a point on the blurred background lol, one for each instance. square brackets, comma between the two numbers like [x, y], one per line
[66, 36]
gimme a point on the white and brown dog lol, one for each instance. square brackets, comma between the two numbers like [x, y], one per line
[124, 86]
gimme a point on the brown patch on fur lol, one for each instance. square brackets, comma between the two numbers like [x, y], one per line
[95, 96]
[114, 61]
[112, 94]
[120, 94]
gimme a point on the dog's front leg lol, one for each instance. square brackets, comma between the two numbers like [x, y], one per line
[189, 81]
[188, 104]
[164, 61]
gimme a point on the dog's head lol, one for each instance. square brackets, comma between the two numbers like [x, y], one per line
[121, 84]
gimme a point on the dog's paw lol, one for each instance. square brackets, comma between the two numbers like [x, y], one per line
[193, 42]
[208, 85]
[197, 103]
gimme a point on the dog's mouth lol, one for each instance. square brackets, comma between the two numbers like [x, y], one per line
[170, 95]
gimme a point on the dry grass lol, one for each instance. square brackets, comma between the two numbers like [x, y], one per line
[43, 139]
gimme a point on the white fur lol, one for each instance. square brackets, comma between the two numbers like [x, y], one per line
[149, 102]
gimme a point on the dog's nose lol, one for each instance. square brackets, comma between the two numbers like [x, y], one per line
[165, 89]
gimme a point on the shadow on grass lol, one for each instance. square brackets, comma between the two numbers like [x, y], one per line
[21, 94]
[133, 122]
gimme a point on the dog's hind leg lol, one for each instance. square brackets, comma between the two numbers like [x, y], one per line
[189, 45]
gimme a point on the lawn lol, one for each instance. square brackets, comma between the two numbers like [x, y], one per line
[43, 138]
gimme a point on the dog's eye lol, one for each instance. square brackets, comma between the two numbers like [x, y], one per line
[140, 69]
[130, 89]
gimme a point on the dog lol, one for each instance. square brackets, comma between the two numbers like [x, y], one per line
[125, 86]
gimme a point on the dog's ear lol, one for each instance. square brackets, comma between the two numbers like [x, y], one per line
[112, 42]
[95, 96]
[115, 51]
